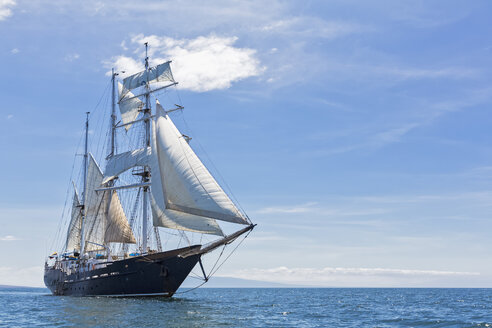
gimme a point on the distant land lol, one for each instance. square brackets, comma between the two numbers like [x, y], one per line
[17, 287]
[230, 282]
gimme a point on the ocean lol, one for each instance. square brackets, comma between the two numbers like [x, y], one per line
[254, 307]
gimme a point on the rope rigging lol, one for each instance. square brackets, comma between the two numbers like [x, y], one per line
[212, 271]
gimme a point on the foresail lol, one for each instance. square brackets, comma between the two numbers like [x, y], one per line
[163, 217]
[159, 73]
[187, 185]
[73, 234]
[117, 228]
[130, 105]
[125, 161]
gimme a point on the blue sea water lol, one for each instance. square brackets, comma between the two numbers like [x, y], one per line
[251, 307]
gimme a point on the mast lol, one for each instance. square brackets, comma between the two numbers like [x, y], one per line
[145, 179]
[86, 158]
[113, 114]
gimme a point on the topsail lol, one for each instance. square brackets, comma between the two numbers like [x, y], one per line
[159, 73]
[130, 106]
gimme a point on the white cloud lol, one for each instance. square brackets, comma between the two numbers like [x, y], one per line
[8, 238]
[72, 57]
[201, 64]
[10, 116]
[14, 51]
[336, 276]
[5, 8]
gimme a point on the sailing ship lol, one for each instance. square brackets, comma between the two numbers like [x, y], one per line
[103, 253]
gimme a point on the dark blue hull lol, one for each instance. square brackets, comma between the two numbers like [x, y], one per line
[148, 275]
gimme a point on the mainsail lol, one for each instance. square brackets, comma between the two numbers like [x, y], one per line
[105, 220]
[117, 229]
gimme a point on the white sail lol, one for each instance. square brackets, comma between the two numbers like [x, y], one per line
[130, 105]
[97, 221]
[95, 207]
[167, 218]
[125, 161]
[117, 228]
[73, 234]
[159, 73]
[187, 185]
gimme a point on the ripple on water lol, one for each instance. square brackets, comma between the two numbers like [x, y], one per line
[309, 307]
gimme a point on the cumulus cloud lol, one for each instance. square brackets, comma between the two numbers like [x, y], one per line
[5, 8]
[201, 64]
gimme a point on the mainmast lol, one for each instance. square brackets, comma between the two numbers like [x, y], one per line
[113, 114]
[84, 195]
[145, 175]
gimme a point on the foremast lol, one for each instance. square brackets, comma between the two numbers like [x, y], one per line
[146, 174]
[84, 195]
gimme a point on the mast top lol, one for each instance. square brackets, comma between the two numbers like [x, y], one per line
[146, 55]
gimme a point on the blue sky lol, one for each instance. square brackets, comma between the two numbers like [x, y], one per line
[356, 134]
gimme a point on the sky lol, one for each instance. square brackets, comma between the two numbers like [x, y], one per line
[355, 134]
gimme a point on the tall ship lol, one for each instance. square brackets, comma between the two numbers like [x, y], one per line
[144, 223]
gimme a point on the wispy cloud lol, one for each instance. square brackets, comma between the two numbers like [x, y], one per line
[10, 116]
[14, 51]
[333, 276]
[8, 238]
[313, 27]
[382, 133]
[6, 8]
[72, 57]
[302, 208]
[201, 64]
[322, 210]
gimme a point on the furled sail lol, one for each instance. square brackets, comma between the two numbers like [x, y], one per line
[159, 73]
[125, 161]
[181, 185]
[73, 234]
[130, 105]
[102, 223]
